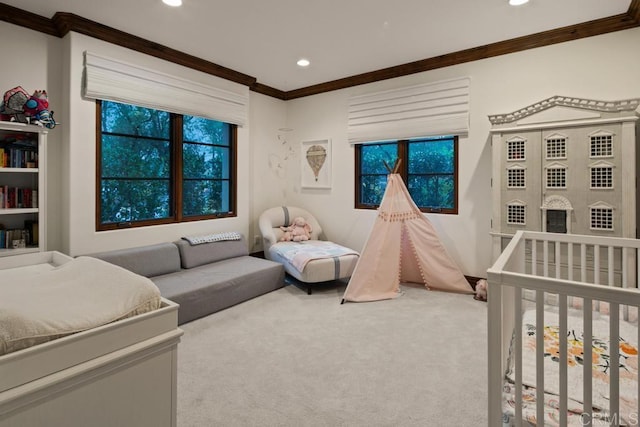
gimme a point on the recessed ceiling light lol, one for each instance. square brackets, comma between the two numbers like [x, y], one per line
[174, 3]
[517, 2]
[302, 62]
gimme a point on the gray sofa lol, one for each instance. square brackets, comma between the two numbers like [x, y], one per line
[202, 278]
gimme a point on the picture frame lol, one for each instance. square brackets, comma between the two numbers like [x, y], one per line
[315, 157]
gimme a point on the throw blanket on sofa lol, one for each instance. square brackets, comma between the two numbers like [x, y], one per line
[215, 237]
[39, 305]
[300, 253]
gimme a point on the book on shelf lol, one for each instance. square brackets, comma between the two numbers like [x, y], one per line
[18, 154]
[15, 197]
[20, 237]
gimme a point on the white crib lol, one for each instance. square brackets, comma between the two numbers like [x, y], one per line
[563, 271]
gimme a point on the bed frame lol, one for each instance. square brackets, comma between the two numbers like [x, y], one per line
[122, 373]
[542, 266]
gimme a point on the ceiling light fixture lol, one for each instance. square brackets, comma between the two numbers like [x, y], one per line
[302, 62]
[173, 3]
[517, 2]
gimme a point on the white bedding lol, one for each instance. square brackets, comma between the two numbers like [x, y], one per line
[41, 304]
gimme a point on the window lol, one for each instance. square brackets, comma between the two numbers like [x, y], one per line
[601, 145]
[516, 214]
[557, 177]
[428, 166]
[516, 177]
[556, 147]
[156, 167]
[601, 218]
[601, 177]
[516, 149]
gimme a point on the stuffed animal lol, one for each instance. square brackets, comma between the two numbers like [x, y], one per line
[298, 231]
[18, 106]
[481, 290]
[36, 109]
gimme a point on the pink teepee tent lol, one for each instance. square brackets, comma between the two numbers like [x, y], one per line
[403, 247]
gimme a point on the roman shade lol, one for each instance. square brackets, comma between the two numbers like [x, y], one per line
[433, 109]
[114, 80]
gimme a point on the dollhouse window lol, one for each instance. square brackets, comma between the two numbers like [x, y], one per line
[601, 145]
[557, 176]
[601, 176]
[516, 177]
[601, 218]
[556, 147]
[516, 213]
[516, 149]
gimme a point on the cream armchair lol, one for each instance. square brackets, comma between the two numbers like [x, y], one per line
[339, 265]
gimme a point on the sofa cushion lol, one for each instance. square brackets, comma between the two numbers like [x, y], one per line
[203, 290]
[206, 253]
[148, 261]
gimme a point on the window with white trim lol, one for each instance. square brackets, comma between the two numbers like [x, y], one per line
[601, 176]
[516, 177]
[556, 147]
[556, 177]
[516, 149]
[516, 213]
[601, 218]
[601, 145]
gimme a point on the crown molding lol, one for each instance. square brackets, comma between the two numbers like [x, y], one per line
[63, 22]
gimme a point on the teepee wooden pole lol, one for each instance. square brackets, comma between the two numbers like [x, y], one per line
[386, 165]
[396, 165]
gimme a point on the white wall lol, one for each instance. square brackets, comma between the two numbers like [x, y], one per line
[603, 67]
[270, 151]
[32, 60]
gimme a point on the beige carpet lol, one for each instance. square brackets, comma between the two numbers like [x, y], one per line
[292, 359]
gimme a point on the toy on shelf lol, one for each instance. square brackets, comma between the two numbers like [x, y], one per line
[18, 106]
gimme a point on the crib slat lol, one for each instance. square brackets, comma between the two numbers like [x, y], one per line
[570, 267]
[545, 259]
[557, 260]
[534, 257]
[583, 262]
[563, 359]
[610, 269]
[596, 271]
[588, 360]
[540, 353]
[614, 352]
[625, 277]
[517, 304]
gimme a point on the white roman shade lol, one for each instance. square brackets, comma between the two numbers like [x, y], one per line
[432, 109]
[114, 80]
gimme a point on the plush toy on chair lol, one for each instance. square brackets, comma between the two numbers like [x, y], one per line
[298, 231]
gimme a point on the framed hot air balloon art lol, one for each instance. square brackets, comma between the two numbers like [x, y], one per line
[316, 164]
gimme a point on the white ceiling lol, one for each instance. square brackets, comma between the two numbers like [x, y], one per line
[341, 38]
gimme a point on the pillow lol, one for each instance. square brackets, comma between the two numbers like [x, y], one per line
[206, 253]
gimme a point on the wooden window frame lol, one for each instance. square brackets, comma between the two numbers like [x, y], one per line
[175, 178]
[403, 154]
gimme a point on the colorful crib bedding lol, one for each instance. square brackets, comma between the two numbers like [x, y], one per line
[628, 348]
[42, 303]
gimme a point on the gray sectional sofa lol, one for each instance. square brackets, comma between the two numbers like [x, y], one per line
[202, 278]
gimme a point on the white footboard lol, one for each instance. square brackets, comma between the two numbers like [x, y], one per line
[563, 271]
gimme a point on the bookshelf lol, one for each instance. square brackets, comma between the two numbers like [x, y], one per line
[22, 188]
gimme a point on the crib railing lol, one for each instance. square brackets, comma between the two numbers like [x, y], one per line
[559, 269]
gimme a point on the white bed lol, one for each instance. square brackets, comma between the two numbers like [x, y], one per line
[120, 373]
[583, 290]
